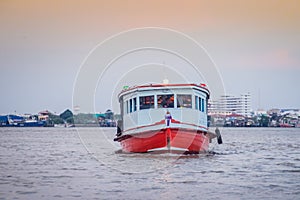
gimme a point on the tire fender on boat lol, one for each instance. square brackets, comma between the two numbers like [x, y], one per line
[219, 137]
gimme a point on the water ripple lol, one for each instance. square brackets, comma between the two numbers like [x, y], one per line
[51, 163]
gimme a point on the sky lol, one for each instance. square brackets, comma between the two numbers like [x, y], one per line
[45, 46]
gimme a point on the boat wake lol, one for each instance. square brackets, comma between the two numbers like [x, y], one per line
[168, 154]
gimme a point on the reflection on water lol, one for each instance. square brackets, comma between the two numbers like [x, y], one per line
[52, 163]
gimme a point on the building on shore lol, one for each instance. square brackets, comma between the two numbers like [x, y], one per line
[229, 104]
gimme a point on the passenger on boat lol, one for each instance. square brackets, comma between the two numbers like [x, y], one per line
[168, 118]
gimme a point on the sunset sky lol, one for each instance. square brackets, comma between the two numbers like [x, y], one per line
[254, 44]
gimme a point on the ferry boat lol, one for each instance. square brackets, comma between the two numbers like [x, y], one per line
[164, 117]
[20, 121]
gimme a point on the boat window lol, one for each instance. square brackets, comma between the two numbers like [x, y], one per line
[134, 104]
[196, 102]
[184, 101]
[130, 105]
[165, 101]
[202, 105]
[146, 102]
[199, 104]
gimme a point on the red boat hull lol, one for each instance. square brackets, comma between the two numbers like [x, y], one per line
[190, 140]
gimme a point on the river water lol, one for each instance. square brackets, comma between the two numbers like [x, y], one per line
[84, 163]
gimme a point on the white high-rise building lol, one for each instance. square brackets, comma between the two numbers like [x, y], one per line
[246, 104]
[229, 104]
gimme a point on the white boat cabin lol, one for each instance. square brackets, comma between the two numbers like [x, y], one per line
[148, 104]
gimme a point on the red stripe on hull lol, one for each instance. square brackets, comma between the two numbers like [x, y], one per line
[190, 140]
[180, 138]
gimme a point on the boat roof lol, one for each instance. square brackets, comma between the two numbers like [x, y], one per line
[202, 87]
